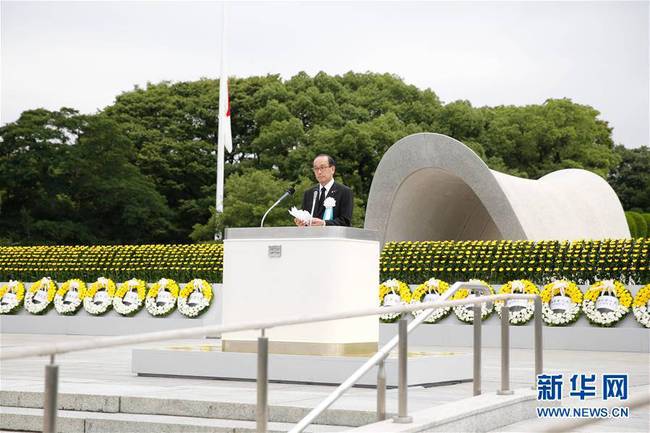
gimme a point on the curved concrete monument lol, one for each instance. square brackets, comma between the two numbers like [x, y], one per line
[432, 187]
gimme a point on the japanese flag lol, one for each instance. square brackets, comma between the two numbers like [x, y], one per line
[225, 136]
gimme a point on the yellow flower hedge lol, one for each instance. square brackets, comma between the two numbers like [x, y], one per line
[412, 262]
[117, 262]
[501, 261]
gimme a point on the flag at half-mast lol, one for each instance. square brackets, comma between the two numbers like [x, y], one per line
[225, 136]
[224, 140]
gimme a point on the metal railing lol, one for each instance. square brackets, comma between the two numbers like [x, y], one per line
[402, 340]
[51, 370]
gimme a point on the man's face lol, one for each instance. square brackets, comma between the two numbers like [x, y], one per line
[323, 171]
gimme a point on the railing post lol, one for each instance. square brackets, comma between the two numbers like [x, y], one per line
[539, 366]
[381, 391]
[505, 350]
[402, 410]
[262, 414]
[50, 396]
[477, 348]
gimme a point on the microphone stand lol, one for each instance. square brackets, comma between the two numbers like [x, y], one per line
[289, 192]
[313, 206]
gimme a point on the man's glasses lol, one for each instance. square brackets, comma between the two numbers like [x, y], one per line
[321, 168]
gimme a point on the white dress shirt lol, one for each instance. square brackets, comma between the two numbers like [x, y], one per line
[327, 186]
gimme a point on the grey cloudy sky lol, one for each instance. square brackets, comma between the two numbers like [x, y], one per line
[83, 54]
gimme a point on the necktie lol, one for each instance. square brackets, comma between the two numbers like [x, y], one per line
[321, 199]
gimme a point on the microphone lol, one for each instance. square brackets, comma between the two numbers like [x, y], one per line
[286, 194]
[313, 206]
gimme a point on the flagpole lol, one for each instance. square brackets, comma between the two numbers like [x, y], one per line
[221, 139]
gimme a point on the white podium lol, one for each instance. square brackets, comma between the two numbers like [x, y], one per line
[286, 272]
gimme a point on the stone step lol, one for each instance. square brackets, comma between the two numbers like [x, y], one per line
[181, 407]
[482, 413]
[31, 419]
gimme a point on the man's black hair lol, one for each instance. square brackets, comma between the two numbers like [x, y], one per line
[330, 160]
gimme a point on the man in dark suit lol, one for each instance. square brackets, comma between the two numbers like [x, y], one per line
[329, 193]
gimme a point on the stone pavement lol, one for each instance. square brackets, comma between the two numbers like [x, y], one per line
[108, 372]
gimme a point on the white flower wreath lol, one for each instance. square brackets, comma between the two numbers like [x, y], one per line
[520, 310]
[431, 291]
[561, 302]
[195, 298]
[161, 298]
[40, 295]
[641, 306]
[465, 313]
[99, 298]
[606, 302]
[69, 297]
[393, 292]
[12, 295]
[129, 297]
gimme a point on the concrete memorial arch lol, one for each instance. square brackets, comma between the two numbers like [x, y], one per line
[432, 187]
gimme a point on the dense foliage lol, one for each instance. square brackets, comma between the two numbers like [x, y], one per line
[639, 224]
[142, 170]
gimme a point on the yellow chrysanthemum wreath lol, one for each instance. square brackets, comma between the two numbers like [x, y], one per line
[69, 297]
[561, 301]
[430, 291]
[129, 297]
[39, 297]
[606, 302]
[161, 298]
[465, 313]
[393, 292]
[641, 306]
[195, 297]
[99, 297]
[12, 295]
[520, 310]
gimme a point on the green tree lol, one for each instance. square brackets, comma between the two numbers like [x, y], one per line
[32, 151]
[249, 196]
[116, 201]
[162, 141]
[539, 139]
[68, 179]
[640, 225]
[631, 223]
[631, 178]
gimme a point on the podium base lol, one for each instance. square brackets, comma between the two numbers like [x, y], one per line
[209, 361]
[303, 348]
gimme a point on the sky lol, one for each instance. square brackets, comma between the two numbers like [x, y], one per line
[83, 54]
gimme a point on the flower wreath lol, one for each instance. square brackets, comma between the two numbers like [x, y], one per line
[430, 291]
[606, 302]
[129, 297]
[561, 302]
[40, 295]
[520, 310]
[641, 306]
[99, 298]
[465, 313]
[195, 298]
[69, 297]
[12, 295]
[388, 297]
[161, 298]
